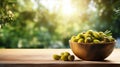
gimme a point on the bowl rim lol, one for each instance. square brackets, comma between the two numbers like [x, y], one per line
[94, 43]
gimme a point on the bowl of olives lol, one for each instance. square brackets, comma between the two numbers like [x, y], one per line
[92, 45]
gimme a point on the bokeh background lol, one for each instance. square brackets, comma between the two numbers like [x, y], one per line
[51, 23]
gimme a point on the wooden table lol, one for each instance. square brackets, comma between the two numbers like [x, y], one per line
[43, 58]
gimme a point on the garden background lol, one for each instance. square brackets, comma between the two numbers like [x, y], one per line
[51, 23]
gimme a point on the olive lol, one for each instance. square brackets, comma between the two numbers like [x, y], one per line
[81, 35]
[77, 37]
[66, 53]
[112, 39]
[101, 37]
[88, 40]
[71, 57]
[64, 58]
[101, 33]
[92, 36]
[90, 32]
[96, 41]
[81, 40]
[106, 39]
[56, 57]
[96, 35]
[73, 39]
[87, 35]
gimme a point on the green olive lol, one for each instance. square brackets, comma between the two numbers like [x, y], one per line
[88, 40]
[92, 37]
[73, 39]
[77, 37]
[81, 35]
[96, 35]
[87, 35]
[64, 58]
[96, 41]
[90, 32]
[106, 39]
[66, 53]
[71, 57]
[101, 33]
[81, 40]
[56, 57]
[112, 39]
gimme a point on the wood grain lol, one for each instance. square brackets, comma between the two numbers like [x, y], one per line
[44, 57]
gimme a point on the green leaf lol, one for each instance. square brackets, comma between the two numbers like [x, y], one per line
[108, 33]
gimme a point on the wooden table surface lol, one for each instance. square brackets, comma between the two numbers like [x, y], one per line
[43, 57]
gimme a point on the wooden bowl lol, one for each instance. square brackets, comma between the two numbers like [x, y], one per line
[90, 51]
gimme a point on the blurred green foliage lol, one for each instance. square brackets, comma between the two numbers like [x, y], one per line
[39, 28]
[6, 15]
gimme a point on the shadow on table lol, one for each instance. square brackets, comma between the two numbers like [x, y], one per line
[95, 61]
